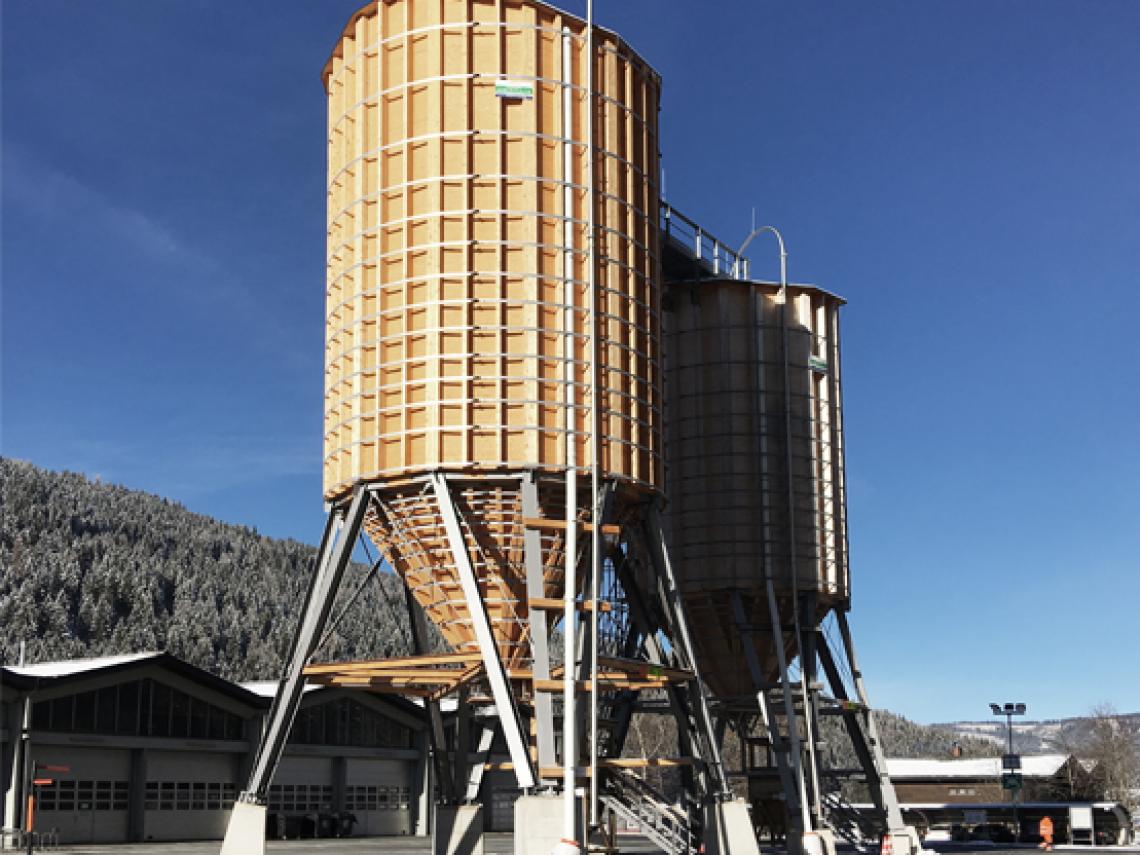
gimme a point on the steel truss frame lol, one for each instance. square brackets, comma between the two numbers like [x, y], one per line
[797, 763]
[657, 655]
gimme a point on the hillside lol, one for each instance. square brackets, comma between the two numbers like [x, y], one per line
[901, 738]
[1063, 735]
[92, 569]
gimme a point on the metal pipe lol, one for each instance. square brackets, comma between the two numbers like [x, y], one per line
[792, 554]
[595, 410]
[570, 546]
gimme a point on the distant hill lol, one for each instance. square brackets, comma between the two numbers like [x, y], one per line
[1035, 737]
[88, 568]
[901, 737]
[92, 569]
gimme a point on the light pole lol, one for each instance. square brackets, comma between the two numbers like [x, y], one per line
[1011, 763]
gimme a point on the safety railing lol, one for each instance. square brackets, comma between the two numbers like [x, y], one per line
[635, 801]
[713, 253]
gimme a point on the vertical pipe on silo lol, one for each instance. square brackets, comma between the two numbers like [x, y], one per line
[595, 409]
[570, 547]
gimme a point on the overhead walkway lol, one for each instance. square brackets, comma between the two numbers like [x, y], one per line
[689, 252]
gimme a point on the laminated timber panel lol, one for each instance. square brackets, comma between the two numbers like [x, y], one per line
[407, 527]
[726, 450]
[447, 253]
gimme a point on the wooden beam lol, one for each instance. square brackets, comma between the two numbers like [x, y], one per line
[553, 604]
[605, 683]
[403, 661]
[469, 675]
[424, 676]
[611, 529]
[606, 763]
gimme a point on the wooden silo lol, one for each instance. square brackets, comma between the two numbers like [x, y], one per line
[734, 524]
[457, 287]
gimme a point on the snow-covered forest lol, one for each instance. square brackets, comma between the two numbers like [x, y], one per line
[93, 569]
[89, 569]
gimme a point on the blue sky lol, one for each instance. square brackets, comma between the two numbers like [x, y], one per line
[967, 174]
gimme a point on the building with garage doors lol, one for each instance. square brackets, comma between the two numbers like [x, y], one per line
[157, 749]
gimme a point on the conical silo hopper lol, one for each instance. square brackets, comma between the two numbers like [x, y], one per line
[733, 525]
[457, 288]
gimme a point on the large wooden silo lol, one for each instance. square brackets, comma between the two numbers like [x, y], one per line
[733, 523]
[457, 287]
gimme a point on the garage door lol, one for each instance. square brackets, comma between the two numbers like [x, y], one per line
[89, 803]
[301, 787]
[378, 794]
[188, 794]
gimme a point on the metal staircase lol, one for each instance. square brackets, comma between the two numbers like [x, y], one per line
[635, 801]
[860, 828]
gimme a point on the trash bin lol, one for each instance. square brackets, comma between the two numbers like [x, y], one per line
[275, 826]
[345, 823]
[309, 825]
[293, 827]
[326, 825]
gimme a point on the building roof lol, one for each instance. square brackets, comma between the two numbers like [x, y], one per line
[258, 694]
[1032, 766]
[42, 674]
[70, 667]
[268, 688]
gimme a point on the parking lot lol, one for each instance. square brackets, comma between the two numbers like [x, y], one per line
[494, 844]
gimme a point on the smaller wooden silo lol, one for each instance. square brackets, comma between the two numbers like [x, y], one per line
[731, 521]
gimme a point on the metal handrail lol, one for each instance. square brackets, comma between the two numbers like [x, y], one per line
[637, 801]
[721, 258]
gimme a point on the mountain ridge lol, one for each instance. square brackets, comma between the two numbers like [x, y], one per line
[94, 569]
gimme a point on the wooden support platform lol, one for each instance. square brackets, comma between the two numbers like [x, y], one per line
[439, 675]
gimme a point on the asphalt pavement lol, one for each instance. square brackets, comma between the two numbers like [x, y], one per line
[502, 844]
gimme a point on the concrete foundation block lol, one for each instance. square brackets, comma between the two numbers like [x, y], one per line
[245, 835]
[457, 830]
[820, 842]
[728, 829]
[905, 841]
[538, 824]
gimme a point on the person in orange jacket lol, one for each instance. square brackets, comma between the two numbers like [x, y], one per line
[1045, 829]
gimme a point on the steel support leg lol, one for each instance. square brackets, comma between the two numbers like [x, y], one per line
[433, 716]
[539, 625]
[688, 741]
[859, 738]
[801, 821]
[780, 745]
[331, 564]
[246, 831]
[476, 769]
[504, 699]
[683, 643]
[463, 738]
[890, 799]
[808, 665]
